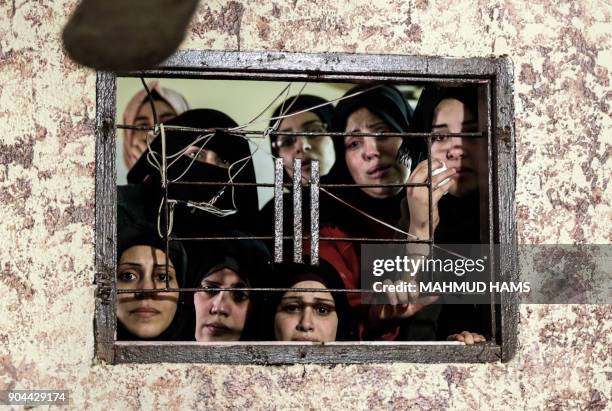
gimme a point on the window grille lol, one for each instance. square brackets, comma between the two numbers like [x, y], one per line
[493, 77]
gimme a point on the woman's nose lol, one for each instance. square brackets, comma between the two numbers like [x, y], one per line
[305, 143]
[302, 144]
[370, 148]
[306, 321]
[455, 149]
[219, 304]
[146, 283]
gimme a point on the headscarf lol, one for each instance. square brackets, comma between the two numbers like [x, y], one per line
[432, 95]
[249, 259]
[299, 103]
[388, 103]
[286, 275]
[459, 216]
[459, 224]
[146, 235]
[172, 98]
[229, 147]
[291, 105]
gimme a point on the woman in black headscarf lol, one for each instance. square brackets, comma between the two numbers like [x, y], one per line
[142, 263]
[200, 210]
[309, 119]
[308, 316]
[455, 110]
[229, 315]
[307, 148]
[371, 160]
[365, 160]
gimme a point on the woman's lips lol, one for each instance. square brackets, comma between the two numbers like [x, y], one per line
[217, 328]
[145, 312]
[378, 171]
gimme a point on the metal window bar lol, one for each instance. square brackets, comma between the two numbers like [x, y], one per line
[297, 210]
[326, 185]
[278, 210]
[301, 133]
[314, 213]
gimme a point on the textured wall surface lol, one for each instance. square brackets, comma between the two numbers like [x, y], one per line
[562, 58]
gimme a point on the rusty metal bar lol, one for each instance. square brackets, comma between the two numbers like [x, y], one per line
[314, 212]
[255, 289]
[282, 353]
[302, 133]
[278, 210]
[430, 189]
[224, 183]
[225, 238]
[246, 184]
[485, 122]
[297, 210]
[376, 240]
[375, 185]
[105, 320]
[305, 237]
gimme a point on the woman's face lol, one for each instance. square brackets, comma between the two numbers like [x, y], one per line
[306, 316]
[371, 160]
[221, 315]
[144, 117]
[146, 315]
[306, 148]
[466, 155]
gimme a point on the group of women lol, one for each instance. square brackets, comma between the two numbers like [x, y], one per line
[243, 295]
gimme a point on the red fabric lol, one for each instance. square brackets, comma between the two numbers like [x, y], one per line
[345, 256]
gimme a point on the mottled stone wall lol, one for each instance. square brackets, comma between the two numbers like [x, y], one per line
[562, 58]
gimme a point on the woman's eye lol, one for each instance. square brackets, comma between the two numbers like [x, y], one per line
[210, 289]
[286, 141]
[324, 309]
[439, 138]
[142, 124]
[314, 128]
[127, 276]
[352, 144]
[382, 130]
[163, 277]
[196, 154]
[291, 308]
[240, 296]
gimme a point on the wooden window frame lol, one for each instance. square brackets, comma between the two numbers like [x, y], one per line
[495, 74]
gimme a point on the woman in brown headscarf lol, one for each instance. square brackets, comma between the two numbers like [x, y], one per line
[138, 112]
